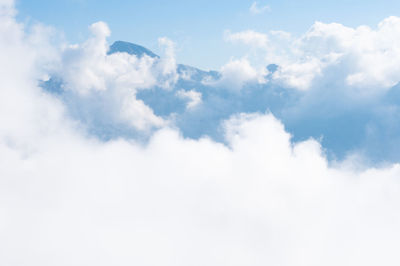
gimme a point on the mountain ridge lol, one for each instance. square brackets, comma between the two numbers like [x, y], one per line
[131, 48]
[139, 51]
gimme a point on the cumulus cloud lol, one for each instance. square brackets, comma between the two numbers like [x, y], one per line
[350, 75]
[369, 56]
[238, 72]
[106, 84]
[69, 198]
[263, 200]
[255, 8]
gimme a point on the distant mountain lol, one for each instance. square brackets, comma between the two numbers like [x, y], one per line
[193, 74]
[130, 48]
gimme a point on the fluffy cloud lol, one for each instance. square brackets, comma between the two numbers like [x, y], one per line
[22, 106]
[263, 200]
[369, 56]
[106, 84]
[237, 73]
[67, 198]
[335, 83]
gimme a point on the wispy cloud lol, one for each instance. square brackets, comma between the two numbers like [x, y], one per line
[248, 37]
[255, 8]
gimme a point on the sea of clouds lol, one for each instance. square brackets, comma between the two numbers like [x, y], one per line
[68, 196]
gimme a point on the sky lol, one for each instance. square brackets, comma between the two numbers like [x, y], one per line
[287, 154]
[198, 26]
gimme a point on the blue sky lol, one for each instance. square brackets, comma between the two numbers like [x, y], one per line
[198, 26]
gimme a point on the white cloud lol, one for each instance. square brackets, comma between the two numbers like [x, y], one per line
[90, 73]
[237, 73]
[256, 9]
[263, 200]
[22, 107]
[249, 37]
[193, 97]
[167, 64]
[368, 57]
[299, 75]
[7, 8]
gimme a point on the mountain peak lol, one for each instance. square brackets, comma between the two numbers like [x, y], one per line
[131, 48]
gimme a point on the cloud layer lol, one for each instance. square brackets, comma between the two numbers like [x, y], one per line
[368, 58]
[334, 83]
[67, 197]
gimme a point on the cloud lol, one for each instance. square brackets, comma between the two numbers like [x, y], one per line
[100, 88]
[68, 197]
[7, 8]
[256, 9]
[369, 56]
[248, 37]
[263, 199]
[236, 73]
[348, 74]
[193, 97]
[168, 63]
[318, 84]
